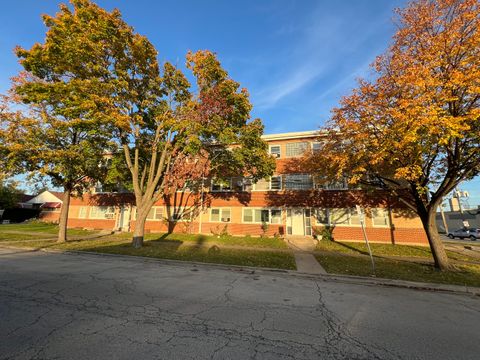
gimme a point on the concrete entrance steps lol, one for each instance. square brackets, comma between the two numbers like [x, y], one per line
[301, 243]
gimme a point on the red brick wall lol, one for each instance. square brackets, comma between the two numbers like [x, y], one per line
[381, 235]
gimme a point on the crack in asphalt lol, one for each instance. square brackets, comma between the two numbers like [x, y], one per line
[156, 311]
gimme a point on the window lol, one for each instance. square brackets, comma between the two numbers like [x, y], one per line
[298, 182]
[273, 183]
[344, 216]
[321, 216]
[339, 216]
[102, 212]
[336, 185]
[276, 216]
[155, 213]
[354, 217]
[380, 217]
[296, 149]
[259, 216]
[181, 214]
[308, 221]
[275, 150]
[221, 185]
[262, 184]
[276, 183]
[219, 215]
[316, 146]
[82, 212]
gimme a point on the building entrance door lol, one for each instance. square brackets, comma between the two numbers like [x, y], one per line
[123, 224]
[295, 221]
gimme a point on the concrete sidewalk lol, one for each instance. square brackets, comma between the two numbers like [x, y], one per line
[306, 263]
[303, 247]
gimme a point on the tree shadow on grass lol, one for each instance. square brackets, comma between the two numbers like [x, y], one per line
[425, 251]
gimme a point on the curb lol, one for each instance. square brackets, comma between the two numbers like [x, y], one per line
[346, 279]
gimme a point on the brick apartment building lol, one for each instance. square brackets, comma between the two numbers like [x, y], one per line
[290, 203]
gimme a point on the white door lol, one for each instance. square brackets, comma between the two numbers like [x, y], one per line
[297, 221]
[123, 224]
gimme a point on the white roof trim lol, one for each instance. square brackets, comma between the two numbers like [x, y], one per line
[292, 135]
[44, 197]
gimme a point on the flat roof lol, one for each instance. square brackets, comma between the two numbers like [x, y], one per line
[292, 135]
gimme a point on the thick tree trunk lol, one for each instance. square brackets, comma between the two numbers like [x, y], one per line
[139, 232]
[171, 226]
[436, 245]
[62, 222]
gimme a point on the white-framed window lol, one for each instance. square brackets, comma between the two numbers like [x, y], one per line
[344, 216]
[380, 217]
[82, 212]
[316, 146]
[259, 216]
[276, 216]
[275, 150]
[272, 183]
[221, 185]
[220, 215]
[321, 216]
[262, 185]
[298, 182]
[102, 212]
[155, 213]
[181, 214]
[341, 184]
[295, 148]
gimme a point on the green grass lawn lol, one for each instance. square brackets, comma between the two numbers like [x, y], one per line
[196, 239]
[44, 230]
[360, 265]
[188, 247]
[177, 250]
[360, 248]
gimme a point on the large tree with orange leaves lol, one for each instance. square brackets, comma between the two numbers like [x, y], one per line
[415, 129]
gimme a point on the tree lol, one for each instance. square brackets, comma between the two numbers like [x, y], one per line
[166, 141]
[96, 69]
[10, 195]
[415, 129]
[62, 133]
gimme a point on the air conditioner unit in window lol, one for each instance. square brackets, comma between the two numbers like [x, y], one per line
[226, 219]
[276, 155]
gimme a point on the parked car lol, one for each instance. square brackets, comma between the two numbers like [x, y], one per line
[471, 233]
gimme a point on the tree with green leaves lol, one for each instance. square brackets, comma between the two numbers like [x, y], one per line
[95, 70]
[10, 195]
[57, 128]
[182, 133]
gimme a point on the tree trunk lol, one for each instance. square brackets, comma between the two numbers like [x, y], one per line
[62, 222]
[139, 232]
[436, 246]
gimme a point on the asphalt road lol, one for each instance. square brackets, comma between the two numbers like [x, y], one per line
[58, 306]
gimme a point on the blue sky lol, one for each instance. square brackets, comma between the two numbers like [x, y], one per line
[296, 58]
